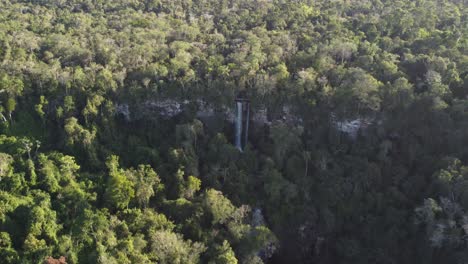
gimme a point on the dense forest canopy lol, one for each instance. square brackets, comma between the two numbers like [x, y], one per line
[116, 131]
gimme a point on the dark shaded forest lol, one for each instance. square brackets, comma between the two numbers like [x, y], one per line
[117, 131]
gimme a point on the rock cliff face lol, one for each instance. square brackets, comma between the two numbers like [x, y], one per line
[351, 127]
[260, 116]
[169, 108]
[123, 110]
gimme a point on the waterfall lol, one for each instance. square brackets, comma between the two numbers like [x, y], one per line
[246, 135]
[239, 125]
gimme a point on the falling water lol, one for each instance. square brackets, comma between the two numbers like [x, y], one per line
[239, 126]
[246, 135]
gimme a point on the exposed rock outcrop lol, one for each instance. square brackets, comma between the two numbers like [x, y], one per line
[351, 127]
[51, 260]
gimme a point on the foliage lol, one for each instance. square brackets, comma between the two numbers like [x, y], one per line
[116, 128]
